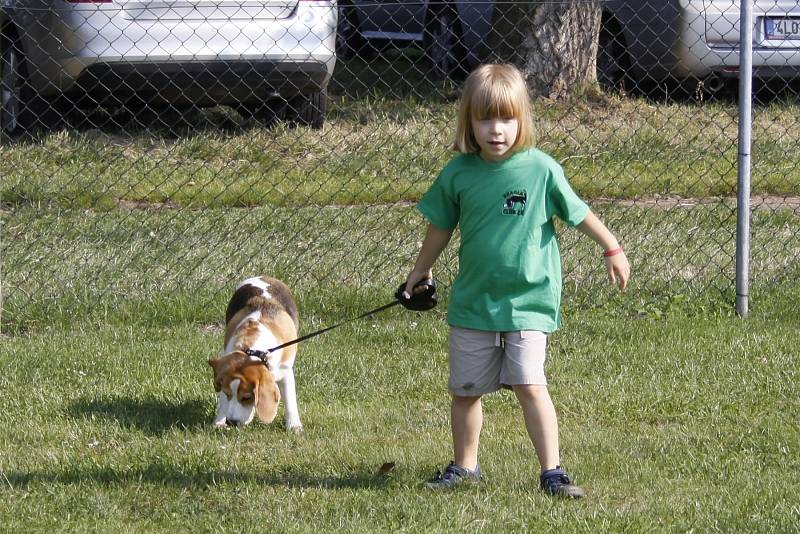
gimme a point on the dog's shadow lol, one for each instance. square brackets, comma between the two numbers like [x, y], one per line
[176, 476]
[152, 416]
[156, 417]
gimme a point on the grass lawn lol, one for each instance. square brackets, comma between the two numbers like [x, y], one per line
[675, 415]
[386, 137]
[121, 245]
[676, 424]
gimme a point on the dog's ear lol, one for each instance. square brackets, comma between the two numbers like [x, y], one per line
[267, 398]
[214, 363]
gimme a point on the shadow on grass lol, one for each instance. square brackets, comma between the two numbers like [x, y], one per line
[397, 74]
[177, 477]
[387, 82]
[153, 416]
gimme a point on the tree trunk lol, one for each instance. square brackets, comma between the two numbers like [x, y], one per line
[554, 43]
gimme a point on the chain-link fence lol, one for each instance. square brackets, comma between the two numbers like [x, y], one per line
[154, 147]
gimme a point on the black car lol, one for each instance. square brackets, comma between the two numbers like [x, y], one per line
[451, 34]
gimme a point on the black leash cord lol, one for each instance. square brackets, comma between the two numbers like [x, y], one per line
[420, 301]
[262, 354]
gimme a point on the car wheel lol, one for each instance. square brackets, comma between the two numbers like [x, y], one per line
[308, 110]
[611, 63]
[265, 112]
[442, 42]
[349, 42]
[15, 93]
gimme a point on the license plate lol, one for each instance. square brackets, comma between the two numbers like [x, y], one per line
[782, 28]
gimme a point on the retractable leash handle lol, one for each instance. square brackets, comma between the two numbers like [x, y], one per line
[422, 301]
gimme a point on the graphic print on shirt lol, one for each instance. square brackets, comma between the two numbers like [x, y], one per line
[514, 202]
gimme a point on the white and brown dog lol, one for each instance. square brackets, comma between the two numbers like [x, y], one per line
[261, 315]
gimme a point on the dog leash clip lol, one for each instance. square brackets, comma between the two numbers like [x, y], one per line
[261, 355]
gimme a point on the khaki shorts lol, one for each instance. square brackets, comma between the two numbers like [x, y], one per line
[482, 362]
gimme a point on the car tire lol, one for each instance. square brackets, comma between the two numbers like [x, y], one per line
[308, 110]
[16, 96]
[349, 42]
[612, 64]
[265, 112]
[441, 40]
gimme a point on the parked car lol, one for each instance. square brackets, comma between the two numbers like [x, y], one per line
[640, 40]
[200, 52]
[695, 40]
[451, 34]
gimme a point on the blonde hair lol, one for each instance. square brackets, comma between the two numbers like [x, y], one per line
[494, 90]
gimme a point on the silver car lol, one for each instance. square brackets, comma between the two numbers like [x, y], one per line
[695, 40]
[201, 52]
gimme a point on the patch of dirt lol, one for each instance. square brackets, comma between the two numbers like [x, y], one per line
[770, 202]
[131, 205]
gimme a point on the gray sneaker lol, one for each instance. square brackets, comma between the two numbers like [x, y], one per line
[557, 482]
[453, 476]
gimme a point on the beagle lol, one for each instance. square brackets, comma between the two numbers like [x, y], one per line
[261, 315]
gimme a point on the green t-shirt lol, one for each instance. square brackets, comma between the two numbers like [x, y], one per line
[509, 265]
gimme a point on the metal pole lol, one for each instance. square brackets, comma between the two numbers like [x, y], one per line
[745, 136]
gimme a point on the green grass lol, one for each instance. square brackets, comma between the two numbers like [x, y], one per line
[106, 427]
[121, 245]
[674, 412]
[387, 132]
[61, 265]
[613, 149]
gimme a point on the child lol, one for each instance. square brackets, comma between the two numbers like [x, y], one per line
[503, 193]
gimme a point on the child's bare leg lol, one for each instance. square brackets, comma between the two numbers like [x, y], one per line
[466, 420]
[541, 422]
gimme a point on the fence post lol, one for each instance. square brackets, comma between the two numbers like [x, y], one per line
[743, 174]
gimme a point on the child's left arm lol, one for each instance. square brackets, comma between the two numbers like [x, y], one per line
[619, 270]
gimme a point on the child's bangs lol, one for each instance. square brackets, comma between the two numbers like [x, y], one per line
[493, 101]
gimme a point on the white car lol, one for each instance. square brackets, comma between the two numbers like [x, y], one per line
[695, 39]
[201, 52]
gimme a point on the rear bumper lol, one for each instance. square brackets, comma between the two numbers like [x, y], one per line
[702, 60]
[712, 45]
[202, 83]
[101, 51]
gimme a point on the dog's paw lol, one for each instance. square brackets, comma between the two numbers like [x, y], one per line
[295, 429]
[218, 424]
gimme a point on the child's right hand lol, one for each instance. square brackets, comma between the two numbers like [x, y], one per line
[619, 270]
[413, 278]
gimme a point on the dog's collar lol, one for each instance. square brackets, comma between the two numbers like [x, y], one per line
[261, 355]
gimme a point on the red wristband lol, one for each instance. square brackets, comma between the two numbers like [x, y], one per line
[613, 252]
